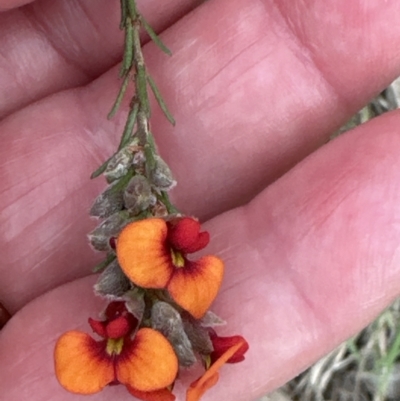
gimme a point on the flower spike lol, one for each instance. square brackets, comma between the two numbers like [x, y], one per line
[157, 319]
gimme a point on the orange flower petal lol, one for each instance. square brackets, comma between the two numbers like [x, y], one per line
[143, 255]
[158, 395]
[210, 377]
[195, 286]
[148, 363]
[197, 389]
[81, 364]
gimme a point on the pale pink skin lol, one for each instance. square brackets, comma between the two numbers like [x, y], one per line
[310, 235]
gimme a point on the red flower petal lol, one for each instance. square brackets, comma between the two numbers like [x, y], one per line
[185, 235]
[81, 364]
[118, 327]
[222, 345]
[210, 377]
[98, 327]
[195, 286]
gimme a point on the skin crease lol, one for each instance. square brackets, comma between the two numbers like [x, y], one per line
[309, 234]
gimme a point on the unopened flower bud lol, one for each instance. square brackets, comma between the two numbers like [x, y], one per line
[107, 203]
[159, 210]
[161, 176]
[198, 335]
[134, 302]
[100, 237]
[138, 195]
[112, 283]
[119, 165]
[138, 158]
[210, 319]
[167, 320]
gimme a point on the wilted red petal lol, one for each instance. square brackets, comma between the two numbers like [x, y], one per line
[115, 309]
[185, 236]
[158, 395]
[195, 286]
[148, 363]
[222, 344]
[143, 254]
[81, 364]
[210, 377]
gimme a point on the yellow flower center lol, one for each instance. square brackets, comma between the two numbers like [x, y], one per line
[114, 346]
[177, 258]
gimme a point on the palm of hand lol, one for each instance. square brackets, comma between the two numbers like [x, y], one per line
[255, 87]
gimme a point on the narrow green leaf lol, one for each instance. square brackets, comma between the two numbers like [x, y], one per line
[123, 14]
[170, 207]
[102, 265]
[122, 183]
[150, 161]
[101, 169]
[126, 136]
[128, 52]
[130, 123]
[154, 37]
[120, 97]
[160, 100]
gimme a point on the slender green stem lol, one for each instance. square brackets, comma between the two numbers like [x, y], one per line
[133, 68]
[132, 9]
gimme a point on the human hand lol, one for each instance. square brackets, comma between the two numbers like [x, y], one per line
[256, 87]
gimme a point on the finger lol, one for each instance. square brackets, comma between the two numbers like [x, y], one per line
[52, 45]
[221, 161]
[308, 263]
[320, 258]
[268, 95]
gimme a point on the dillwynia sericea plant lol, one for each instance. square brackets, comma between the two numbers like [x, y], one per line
[157, 320]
